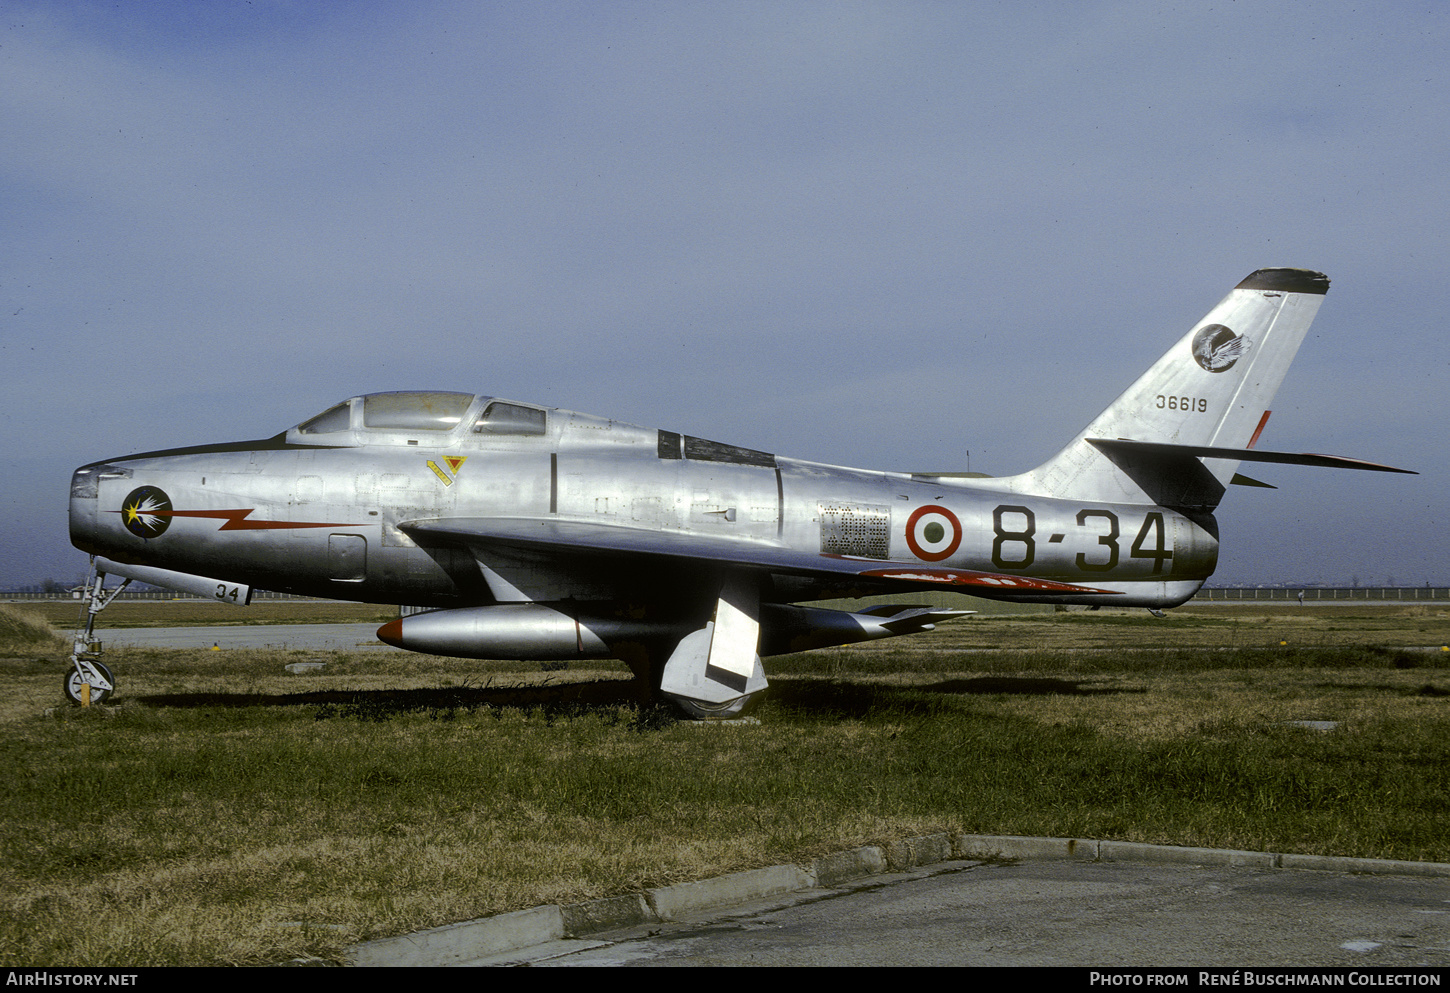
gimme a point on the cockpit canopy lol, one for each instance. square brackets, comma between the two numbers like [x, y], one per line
[414, 417]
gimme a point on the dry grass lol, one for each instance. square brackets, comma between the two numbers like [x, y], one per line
[229, 812]
[25, 631]
[1207, 625]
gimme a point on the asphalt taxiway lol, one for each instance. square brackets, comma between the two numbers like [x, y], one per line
[1023, 902]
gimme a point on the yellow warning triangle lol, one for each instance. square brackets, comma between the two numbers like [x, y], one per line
[455, 462]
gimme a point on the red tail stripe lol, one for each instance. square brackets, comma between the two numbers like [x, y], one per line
[1259, 430]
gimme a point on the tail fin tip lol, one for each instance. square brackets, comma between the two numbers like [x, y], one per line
[1286, 281]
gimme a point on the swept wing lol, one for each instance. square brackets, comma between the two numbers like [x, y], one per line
[572, 538]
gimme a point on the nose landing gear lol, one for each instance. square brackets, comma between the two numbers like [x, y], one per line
[90, 682]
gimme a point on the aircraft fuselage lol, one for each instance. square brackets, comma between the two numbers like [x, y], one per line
[327, 514]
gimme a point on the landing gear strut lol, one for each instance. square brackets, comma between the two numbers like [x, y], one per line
[90, 682]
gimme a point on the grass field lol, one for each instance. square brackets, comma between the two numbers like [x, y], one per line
[224, 811]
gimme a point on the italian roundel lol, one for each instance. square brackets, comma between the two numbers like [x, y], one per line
[933, 533]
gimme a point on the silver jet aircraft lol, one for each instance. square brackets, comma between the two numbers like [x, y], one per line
[531, 532]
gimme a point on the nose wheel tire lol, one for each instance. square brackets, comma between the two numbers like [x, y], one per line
[74, 681]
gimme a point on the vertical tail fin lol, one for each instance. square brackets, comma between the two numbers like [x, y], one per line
[1213, 388]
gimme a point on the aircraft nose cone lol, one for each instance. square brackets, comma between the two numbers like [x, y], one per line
[84, 488]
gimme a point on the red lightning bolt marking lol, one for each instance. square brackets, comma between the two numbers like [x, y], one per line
[236, 520]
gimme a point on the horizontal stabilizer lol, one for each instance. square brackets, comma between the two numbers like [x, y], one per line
[1168, 450]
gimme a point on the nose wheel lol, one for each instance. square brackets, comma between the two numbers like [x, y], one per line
[92, 674]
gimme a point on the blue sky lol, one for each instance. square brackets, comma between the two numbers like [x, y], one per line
[882, 235]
